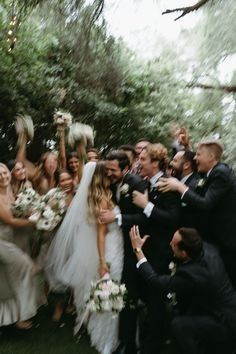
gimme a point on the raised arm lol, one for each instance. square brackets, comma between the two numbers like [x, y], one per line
[62, 147]
[22, 156]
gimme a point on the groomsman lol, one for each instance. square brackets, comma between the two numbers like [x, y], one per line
[215, 198]
[184, 168]
[123, 184]
[159, 219]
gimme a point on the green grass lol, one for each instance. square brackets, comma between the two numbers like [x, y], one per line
[45, 337]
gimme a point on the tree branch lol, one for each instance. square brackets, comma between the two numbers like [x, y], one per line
[186, 10]
[228, 89]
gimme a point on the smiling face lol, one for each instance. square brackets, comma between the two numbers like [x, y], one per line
[113, 171]
[66, 182]
[19, 171]
[204, 159]
[177, 165]
[147, 167]
[5, 177]
[74, 164]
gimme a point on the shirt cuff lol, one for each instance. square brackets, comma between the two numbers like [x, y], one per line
[148, 209]
[119, 219]
[116, 210]
[184, 192]
[141, 261]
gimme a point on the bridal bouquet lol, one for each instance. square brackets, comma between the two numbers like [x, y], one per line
[50, 210]
[106, 295]
[26, 202]
[61, 118]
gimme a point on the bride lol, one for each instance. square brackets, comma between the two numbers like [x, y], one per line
[84, 250]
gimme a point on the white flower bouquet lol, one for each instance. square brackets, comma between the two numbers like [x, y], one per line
[26, 202]
[61, 118]
[106, 295]
[50, 210]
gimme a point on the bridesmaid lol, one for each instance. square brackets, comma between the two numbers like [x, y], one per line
[42, 175]
[63, 299]
[17, 286]
[19, 182]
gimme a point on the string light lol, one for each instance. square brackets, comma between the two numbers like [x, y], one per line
[11, 38]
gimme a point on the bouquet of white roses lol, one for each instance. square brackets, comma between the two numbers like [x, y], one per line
[106, 295]
[26, 202]
[50, 210]
[61, 118]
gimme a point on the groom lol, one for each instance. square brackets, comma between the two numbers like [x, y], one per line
[123, 184]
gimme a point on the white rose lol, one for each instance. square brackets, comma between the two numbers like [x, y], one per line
[34, 217]
[118, 304]
[44, 225]
[122, 289]
[48, 213]
[106, 306]
[124, 189]
[105, 295]
[115, 289]
[92, 306]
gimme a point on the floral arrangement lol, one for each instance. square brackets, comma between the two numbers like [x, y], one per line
[106, 295]
[26, 202]
[61, 118]
[124, 189]
[50, 210]
[201, 182]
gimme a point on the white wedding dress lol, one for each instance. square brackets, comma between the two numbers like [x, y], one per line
[73, 261]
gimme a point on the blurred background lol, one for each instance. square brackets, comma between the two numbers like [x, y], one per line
[122, 67]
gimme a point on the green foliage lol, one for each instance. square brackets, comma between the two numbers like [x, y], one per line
[63, 60]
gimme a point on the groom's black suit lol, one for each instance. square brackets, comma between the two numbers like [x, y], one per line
[160, 225]
[128, 317]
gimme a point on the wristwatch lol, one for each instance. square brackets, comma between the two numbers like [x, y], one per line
[137, 250]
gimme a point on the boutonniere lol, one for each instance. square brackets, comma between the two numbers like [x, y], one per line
[124, 189]
[172, 268]
[171, 297]
[201, 182]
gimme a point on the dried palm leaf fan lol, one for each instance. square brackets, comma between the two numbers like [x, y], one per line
[24, 127]
[80, 136]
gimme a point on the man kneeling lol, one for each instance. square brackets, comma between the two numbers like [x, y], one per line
[205, 297]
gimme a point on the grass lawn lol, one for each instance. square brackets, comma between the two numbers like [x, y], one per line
[46, 337]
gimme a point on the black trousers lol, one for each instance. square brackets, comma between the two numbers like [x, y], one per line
[191, 333]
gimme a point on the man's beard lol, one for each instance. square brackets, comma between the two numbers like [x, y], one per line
[177, 173]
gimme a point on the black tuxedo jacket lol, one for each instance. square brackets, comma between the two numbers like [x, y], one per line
[216, 200]
[202, 287]
[161, 225]
[126, 205]
[189, 217]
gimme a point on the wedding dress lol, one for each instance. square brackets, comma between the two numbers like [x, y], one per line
[73, 261]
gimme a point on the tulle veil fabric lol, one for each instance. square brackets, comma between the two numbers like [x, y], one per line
[73, 257]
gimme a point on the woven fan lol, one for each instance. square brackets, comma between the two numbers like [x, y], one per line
[24, 126]
[80, 134]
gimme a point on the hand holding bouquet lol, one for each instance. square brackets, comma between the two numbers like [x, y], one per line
[50, 210]
[106, 295]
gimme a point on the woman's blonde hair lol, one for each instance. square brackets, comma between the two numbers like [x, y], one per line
[41, 171]
[99, 191]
